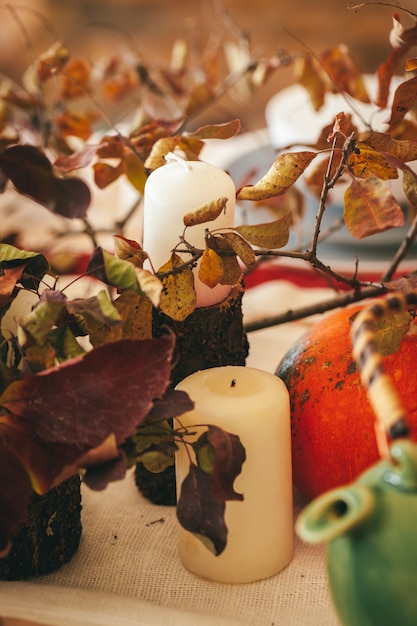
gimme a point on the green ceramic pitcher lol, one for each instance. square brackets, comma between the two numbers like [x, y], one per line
[370, 526]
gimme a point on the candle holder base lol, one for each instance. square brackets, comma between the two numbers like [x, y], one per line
[210, 337]
[50, 537]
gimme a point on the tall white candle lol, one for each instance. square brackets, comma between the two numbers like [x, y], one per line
[172, 191]
[254, 405]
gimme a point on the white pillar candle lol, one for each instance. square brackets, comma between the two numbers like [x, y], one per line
[172, 191]
[254, 405]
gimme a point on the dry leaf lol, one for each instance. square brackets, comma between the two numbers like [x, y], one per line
[269, 236]
[365, 163]
[309, 75]
[370, 208]
[282, 174]
[178, 297]
[405, 98]
[129, 250]
[404, 150]
[210, 271]
[207, 213]
[241, 248]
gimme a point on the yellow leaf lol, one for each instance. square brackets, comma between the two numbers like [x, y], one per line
[309, 76]
[404, 150]
[135, 171]
[366, 163]
[211, 268]
[269, 236]
[206, 213]
[370, 208]
[241, 247]
[410, 190]
[282, 174]
[178, 297]
[160, 149]
[231, 271]
[136, 313]
[150, 285]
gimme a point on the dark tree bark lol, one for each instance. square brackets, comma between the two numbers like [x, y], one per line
[51, 536]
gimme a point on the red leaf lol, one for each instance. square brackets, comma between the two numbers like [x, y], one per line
[108, 390]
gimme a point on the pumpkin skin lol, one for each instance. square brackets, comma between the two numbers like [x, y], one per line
[332, 421]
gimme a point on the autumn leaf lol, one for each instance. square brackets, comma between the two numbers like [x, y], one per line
[74, 407]
[51, 61]
[76, 124]
[122, 274]
[343, 72]
[129, 250]
[370, 208]
[241, 248]
[178, 297]
[75, 79]
[365, 163]
[228, 458]
[404, 150]
[283, 173]
[402, 40]
[309, 75]
[206, 213]
[160, 149]
[31, 173]
[270, 235]
[210, 270]
[135, 171]
[405, 97]
[217, 131]
[200, 513]
[28, 268]
[410, 189]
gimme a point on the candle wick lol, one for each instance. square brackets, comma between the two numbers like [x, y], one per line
[233, 383]
[171, 157]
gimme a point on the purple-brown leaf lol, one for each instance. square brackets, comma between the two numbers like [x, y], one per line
[229, 456]
[200, 513]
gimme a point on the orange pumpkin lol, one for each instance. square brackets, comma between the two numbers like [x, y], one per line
[333, 437]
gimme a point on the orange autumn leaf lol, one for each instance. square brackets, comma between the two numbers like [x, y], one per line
[411, 65]
[405, 98]
[52, 60]
[75, 79]
[404, 150]
[370, 208]
[104, 174]
[76, 124]
[343, 72]
[210, 271]
[282, 174]
[365, 163]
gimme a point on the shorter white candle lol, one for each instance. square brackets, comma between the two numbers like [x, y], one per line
[254, 405]
[172, 191]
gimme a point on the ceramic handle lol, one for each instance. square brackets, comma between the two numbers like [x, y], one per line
[391, 420]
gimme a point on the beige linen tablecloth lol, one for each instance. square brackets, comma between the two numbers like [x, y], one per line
[126, 570]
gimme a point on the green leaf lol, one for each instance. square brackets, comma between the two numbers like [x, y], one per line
[35, 264]
[156, 461]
